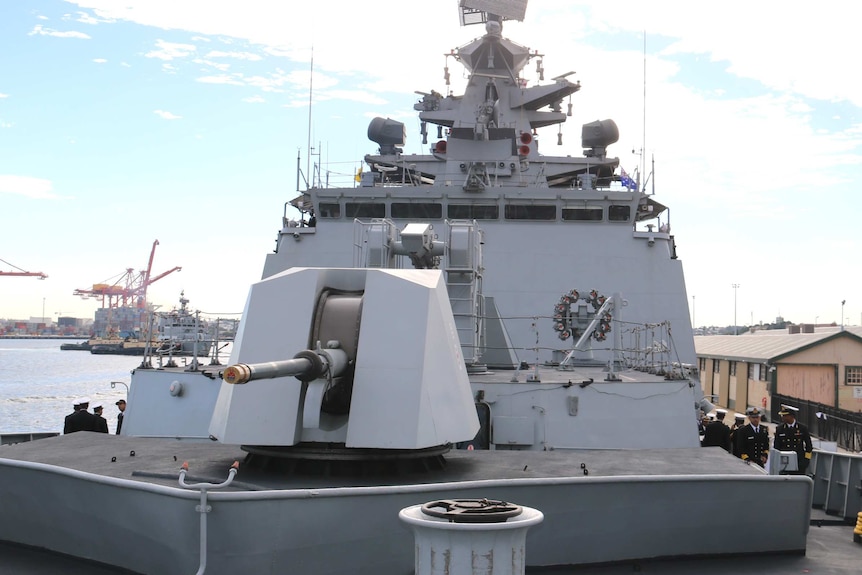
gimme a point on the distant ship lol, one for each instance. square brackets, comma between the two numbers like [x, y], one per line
[178, 332]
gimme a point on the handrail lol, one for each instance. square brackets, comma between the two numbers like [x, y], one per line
[203, 508]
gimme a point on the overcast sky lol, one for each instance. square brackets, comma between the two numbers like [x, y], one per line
[122, 123]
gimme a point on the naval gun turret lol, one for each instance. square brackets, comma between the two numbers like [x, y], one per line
[379, 372]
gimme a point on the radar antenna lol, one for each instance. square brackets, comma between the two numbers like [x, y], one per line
[480, 11]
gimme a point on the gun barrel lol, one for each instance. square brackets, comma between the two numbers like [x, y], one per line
[243, 373]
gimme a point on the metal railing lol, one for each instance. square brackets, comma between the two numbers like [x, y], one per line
[828, 423]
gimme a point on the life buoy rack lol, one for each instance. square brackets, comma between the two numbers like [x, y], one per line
[562, 315]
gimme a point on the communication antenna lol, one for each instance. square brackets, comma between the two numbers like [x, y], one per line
[308, 140]
[643, 145]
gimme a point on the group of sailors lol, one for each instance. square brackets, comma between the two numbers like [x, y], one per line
[750, 441]
[82, 420]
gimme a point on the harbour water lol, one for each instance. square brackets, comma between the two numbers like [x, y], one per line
[39, 382]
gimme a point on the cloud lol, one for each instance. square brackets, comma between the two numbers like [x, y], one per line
[166, 115]
[99, 60]
[220, 79]
[238, 55]
[4, 95]
[36, 188]
[5, 124]
[85, 18]
[40, 31]
[257, 99]
[361, 96]
[171, 50]
[223, 66]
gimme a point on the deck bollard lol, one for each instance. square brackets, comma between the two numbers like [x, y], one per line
[470, 536]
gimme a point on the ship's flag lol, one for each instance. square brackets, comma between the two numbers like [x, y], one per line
[358, 176]
[626, 181]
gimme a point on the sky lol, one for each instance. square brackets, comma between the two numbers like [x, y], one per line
[123, 123]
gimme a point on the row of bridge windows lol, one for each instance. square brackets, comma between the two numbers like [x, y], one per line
[434, 211]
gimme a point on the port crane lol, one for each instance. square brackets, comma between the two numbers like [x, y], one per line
[21, 272]
[130, 289]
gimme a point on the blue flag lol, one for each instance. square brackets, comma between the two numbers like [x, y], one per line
[626, 181]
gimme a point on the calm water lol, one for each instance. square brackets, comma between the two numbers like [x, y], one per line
[39, 382]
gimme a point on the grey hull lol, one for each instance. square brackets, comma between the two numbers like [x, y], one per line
[631, 505]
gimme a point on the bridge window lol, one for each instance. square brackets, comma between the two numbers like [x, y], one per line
[473, 212]
[594, 214]
[364, 210]
[329, 210]
[619, 213]
[418, 211]
[530, 212]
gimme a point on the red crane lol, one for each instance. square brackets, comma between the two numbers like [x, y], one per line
[21, 272]
[129, 289]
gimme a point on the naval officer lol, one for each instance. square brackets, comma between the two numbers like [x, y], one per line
[793, 436]
[121, 405]
[752, 440]
[738, 421]
[716, 433]
[80, 419]
[101, 422]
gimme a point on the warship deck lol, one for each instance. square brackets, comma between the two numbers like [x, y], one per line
[601, 507]
[158, 461]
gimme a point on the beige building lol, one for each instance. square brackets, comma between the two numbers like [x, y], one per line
[821, 365]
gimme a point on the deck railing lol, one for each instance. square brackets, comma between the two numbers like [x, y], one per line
[828, 423]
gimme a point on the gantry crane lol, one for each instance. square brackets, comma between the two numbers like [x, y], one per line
[129, 289]
[21, 272]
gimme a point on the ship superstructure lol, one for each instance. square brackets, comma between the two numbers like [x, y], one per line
[515, 230]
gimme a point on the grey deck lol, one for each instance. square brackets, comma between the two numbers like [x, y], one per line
[158, 461]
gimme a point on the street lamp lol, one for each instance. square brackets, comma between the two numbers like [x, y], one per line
[693, 322]
[735, 329]
[843, 301]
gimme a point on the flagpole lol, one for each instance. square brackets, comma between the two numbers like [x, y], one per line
[643, 148]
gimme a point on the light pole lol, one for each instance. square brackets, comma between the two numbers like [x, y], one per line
[843, 301]
[735, 329]
[693, 323]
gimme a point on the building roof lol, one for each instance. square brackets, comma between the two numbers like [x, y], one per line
[767, 345]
